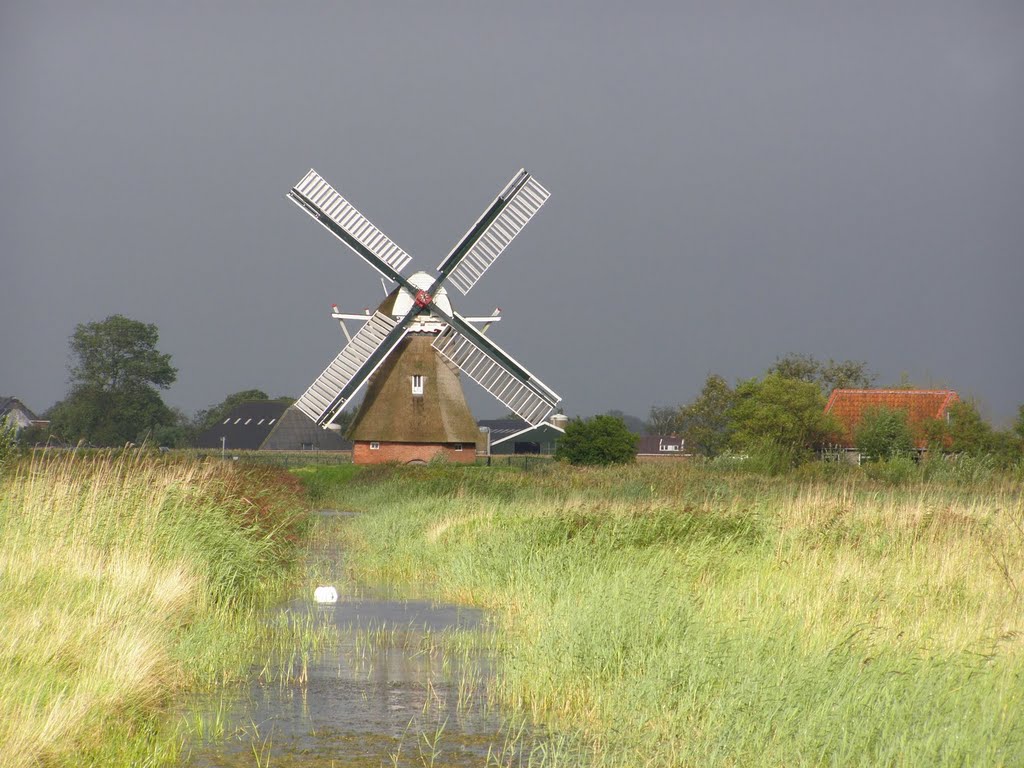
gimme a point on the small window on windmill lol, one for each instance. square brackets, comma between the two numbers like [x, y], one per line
[417, 385]
[374, 445]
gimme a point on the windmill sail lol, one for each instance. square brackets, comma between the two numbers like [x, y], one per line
[459, 343]
[320, 200]
[492, 368]
[335, 387]
[493, 231]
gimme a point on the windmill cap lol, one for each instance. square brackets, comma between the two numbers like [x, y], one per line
[404, 300]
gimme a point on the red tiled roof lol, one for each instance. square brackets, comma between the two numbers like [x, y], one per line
[849, 405]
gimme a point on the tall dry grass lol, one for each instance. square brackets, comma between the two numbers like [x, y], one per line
[687, 616]
[124, 579]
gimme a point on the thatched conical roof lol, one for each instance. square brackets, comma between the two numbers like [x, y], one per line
[392, 413]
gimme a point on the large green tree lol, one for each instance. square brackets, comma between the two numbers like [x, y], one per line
[705, 423]
[842, 374]
[969, 432]
[786, 414]
[116, 372]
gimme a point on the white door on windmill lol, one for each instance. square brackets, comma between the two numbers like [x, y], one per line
[459, 341]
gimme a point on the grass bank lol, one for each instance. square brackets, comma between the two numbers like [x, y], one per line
[124, 581]
[690, 616]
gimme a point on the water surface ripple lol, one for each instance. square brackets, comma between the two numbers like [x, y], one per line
[406, 685]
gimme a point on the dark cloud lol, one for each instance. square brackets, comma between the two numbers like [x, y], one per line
[730, 183]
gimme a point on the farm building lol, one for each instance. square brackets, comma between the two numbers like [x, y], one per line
[516, 436]
[15, 414]
[659, 447]
[270, 425]
[920, 405]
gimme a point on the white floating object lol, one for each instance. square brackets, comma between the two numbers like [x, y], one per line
[325, 595]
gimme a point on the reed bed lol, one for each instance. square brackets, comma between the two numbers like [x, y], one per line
[124, 580]
[687, 615]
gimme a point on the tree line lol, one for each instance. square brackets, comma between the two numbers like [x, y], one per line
[116, 375]
[782, 413]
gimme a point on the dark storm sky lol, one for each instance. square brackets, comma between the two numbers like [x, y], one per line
[730, 182]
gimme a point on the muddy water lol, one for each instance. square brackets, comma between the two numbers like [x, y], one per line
[404, 683]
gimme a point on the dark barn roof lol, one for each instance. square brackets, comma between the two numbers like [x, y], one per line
[295, 431]
[271, 425]
[516, 435]
[246, 427]
[502, 428]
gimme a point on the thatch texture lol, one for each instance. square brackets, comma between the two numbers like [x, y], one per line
[391, 413]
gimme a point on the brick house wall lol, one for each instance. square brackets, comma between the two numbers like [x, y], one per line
[403, 453]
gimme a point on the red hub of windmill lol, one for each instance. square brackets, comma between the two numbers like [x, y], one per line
[423, 299]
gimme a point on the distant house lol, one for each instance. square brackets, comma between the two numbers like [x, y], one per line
[518, 437]
[920, 405]
[14, 413]
[270, 425]
[658, 447]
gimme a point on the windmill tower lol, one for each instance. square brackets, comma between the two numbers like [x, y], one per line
[411, 349]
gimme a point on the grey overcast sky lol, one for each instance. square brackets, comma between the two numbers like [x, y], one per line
[731, 181]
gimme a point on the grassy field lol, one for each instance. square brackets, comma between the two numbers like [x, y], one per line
[698, 615]
[125, 581]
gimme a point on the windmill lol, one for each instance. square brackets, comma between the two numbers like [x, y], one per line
[409, 350]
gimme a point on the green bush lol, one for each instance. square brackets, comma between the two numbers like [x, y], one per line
[895, 470]
[599, 440]
[884, 433]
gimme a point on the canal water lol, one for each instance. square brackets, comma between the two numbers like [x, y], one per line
[397, 681]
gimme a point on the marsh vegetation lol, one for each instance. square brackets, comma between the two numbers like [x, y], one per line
[703, 614]
[126, 581]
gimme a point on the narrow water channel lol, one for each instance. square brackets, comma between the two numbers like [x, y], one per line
[403, 682]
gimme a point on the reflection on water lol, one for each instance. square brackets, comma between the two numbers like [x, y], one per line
[405, 685]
